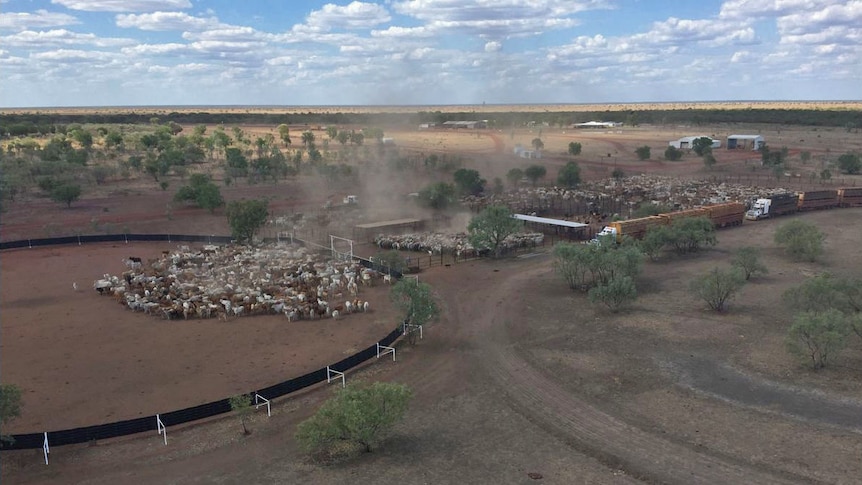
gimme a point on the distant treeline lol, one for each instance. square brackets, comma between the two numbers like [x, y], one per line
[39, 123]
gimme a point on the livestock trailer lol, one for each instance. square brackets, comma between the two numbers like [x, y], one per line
[636, 228]
[783, 204]
[727, 214]
[670, 217]
[850, 197]
[818, 199]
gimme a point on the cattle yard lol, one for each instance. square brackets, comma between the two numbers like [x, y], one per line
[179, 326]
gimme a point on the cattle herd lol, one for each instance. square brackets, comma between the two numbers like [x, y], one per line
[232, 281]
[456, 244]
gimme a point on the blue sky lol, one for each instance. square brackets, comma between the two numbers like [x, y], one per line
[203, 52]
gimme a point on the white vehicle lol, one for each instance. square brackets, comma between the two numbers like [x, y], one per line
[351, 199]
[760, 210]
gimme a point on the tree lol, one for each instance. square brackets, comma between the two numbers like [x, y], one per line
[702, 145]
[535, 172]
[673, 153]
[359, 415]
[818, 336]
[537, 143]
[10, 406]
[245, 217]
[202, 191]
[583, 266]
[241, 404]
[491, 227]
[801, 240]
[83, 137]
[618, 174]
[284, 134]
[615, 294]
[747, 259]
[237, 164]
[332, 132]
[468, 182]
[114, 139]
[515, 176]
[416, 302]
[709, 161]
[649, 209]
[308, 139]
[850, 163]
[643, 152]
[718, 287]
[66, 193]
[574, 148]
[437, 196]
[825, 292]
[654, 241]
[688, 234]
[569, 176]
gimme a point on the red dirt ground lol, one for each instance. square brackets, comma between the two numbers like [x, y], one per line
[84, 359]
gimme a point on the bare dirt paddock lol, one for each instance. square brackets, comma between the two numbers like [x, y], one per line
[84, 359]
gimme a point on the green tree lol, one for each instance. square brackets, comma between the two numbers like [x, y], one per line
[649, 209]
[114, 139]
[202, 192]
[491, 227]
[332, 132]
[643, 152]
[468, 182]
[66, 193]
[237, 163]
[747, 259]
[583, 266]
[535, 172]
[245, 217]
[702, 145]
[343, 137]
[515, 176]
[654, 241]
[673, 153]
[437, 196]
[818, 337]
[689, 234]
[718, 287]
[10, 407]
[416, 302]
[825, 292]
[849, 163]
[616, 293]
[359, 415]
[569, 176]
[618, 174]
[308, 139]
[709, 161]
[801, 240]
[83, 137]
[241, 405]
[537, 143]
[284, 134]
[574, 148]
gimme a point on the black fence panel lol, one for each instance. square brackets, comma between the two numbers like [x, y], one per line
[195, 413]
[293, 385]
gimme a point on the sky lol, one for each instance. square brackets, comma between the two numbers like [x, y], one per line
[426, 52]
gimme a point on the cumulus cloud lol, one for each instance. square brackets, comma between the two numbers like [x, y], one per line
[355, 15]
[72, 55]
[165, 21]
[35, 40]
[39, 18]
[846, 15]
[123, 5]
[493, 46]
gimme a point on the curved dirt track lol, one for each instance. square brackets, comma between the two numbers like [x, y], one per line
[543, 401]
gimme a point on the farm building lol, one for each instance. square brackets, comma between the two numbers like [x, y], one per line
[522, 152]
[466, 124]
[427, 126]
[598, 124]
[753, 142]
[686, 142]
[560, 227]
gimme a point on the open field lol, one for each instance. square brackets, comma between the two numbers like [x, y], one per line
[491, 108]
[520, 374]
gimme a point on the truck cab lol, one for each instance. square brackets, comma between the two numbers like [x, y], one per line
[607, 234]
[760, 210]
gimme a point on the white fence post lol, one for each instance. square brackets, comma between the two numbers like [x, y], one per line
[162, 429]
[386, 350]
[257, 403]
[331, 372]
[45, 448]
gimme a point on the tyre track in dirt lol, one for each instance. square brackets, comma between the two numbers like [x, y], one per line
[541, 400]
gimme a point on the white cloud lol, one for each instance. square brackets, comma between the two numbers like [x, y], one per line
[752, 9]
[72, 55]
[123, 5]
[848, 15]
[39, 18]
[154, 49]
[36, 40]
[356, 15]
[165, 21]
[493, 46]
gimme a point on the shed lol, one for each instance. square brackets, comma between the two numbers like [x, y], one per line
[687, 141]
[753, 142]
[560, 227]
